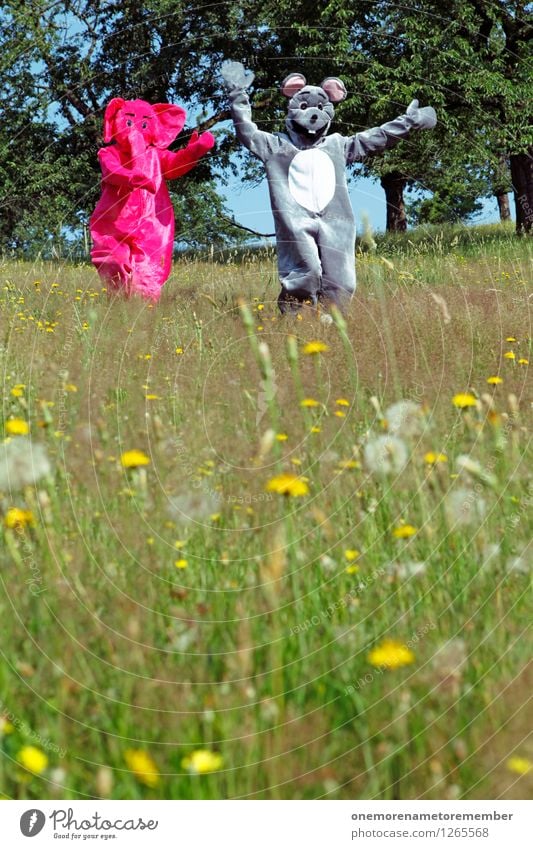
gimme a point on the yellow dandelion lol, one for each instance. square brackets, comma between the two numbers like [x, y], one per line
[180, 543]
[391, 654]
[288, 484]
[510, 339]
[404, 531]
[510, 355]
[463, 400]
[17, 427]
[18, 390]
[340, 414]
[523, 362]
[152, 397]
[134, 458]
[342, 402]
[432, 458]
[519, 765]
[316, 429]
[315, 348]
[309, 402]
[32, 759]
[351, 554]
[70, 387]
[260, 307]
[281, 437]
[202, 762]
[215, 517]
[143, 766]
[179, 350]
[349, 464]
[181, 563]
[6, 727]
[18, 518]
[352, 569]
[494, 380]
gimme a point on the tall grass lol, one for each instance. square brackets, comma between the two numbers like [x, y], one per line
[189, 605]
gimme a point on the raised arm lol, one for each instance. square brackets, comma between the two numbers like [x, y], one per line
[236, 80]
[175, 164]
[372, 141]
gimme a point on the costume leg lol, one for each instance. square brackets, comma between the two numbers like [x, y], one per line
[299, 269]
[336, 245]
[113, 260]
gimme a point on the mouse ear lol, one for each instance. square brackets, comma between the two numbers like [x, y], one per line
[334, 88]
[292, 84]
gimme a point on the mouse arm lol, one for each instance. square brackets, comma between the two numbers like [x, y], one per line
[175, 164]
[236, 79]
[364, 144]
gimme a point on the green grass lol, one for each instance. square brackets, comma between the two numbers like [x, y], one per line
[259, 648]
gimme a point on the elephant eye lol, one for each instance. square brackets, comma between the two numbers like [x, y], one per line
[144, 125]
[129, 123]
[303, 104]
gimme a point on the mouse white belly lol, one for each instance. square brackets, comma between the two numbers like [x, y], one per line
[312, 179]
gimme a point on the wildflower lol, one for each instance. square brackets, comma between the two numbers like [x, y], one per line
[142, 766]
[463, 507]
[509, 355]
[409, 569]
[432, 458]
[152, 397]
[463, 400]
[342, 402]
[523, 362]
[288, 484]
[134, 458]
[22, 463]
[348, 464]
[192, 507]
[18, 518]
[309, 402]
[352, 569]
[404, 419]
[316, 429]
[510, 339]
[18, 390]
[202, 762]
[179, 350]
[385, 455]
[6, 727]
[315, 348]
[281, 437]
[17, 427]
[391, 654]
[351, 554]
[494, 380]
[340, 414]
[32, 759]
[70, 387]
[181, 563]
[519, 765]
[404, 531]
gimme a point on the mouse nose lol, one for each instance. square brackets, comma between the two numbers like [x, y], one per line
[314, 117]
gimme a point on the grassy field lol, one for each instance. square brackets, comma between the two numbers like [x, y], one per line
[288, 589]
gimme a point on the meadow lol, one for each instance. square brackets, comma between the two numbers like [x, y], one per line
[253, 556]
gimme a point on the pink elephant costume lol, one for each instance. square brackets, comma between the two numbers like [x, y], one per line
[132, 227]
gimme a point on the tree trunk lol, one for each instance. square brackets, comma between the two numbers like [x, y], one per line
[503, 205]
[522, 179]
[394, 185]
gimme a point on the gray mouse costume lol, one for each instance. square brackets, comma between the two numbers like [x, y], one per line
[306, 171]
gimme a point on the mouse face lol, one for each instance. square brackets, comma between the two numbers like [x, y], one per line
[311, 109]
[310, 112]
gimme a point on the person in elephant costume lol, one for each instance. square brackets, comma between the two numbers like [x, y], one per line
[306, 171]
[132, 226]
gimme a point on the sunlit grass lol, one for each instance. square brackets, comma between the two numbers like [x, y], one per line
[225, 590]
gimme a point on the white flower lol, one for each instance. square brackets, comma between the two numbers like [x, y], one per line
[22, 463]
[192, 507]
[385, 455]
[464, 507]
[409, 569]
[404, 419]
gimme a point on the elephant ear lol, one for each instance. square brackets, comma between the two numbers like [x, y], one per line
[292, 84]
[110, 114]
[334, 88]
[170, 121]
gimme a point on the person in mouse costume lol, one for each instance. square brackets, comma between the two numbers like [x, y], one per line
[306, 171]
